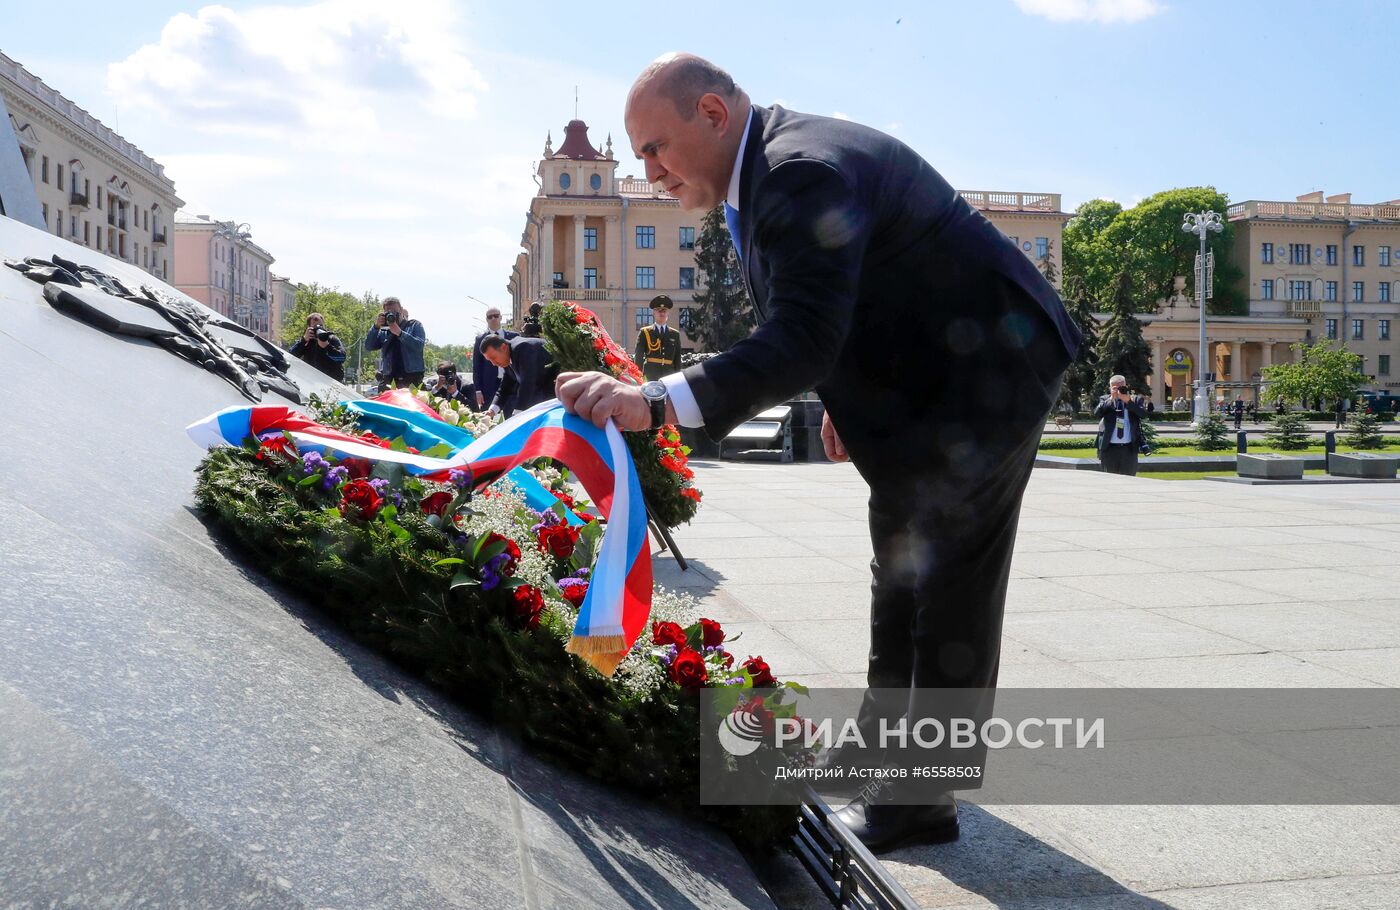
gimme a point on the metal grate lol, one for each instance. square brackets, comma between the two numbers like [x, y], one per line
[844, 868]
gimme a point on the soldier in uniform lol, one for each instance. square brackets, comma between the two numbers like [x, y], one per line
[658, 345]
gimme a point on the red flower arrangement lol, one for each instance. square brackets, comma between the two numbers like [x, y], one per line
[667, 633]
[358, 499]
[558, 540]
[275, 446]
[528, 604]
[688, 669]
[760, 671]
[435, 504]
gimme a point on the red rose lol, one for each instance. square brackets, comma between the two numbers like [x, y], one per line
[760, 671]
[359, 500]
[559, 540]
[691, 493]
[435, 504]
[565, 498]
[528, 603]
[512, 552]
[711, 633]
[574, 593]
[359, 468]
[598, 344]
[667, 633]
[688, 669]
[276, 445]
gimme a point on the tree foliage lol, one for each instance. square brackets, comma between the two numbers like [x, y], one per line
[1121, 347]
[346, 315]
[1079, 388]
[723, 313]
[1363, 430]
[1211, 432]
[1325, 371]
[1103, 238]
[1290, 432]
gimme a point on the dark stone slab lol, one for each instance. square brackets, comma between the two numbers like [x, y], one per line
[176, 729]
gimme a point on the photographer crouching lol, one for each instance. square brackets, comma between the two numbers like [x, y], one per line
[321, 348]
[449, 386]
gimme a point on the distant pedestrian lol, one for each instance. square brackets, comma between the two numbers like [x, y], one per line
[1341, 408]
[1238, 410]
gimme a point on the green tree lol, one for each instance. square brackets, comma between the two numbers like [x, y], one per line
[1290, 432]
[1121, 347]
[1211, 433]
[346, 315]
[1324, 370]
[1364, 430]
[1079, 388]
[1149, 236]
[460, 354]
[1085, 257]
[722, 314]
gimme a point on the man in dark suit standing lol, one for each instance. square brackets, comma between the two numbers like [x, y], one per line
[528, 372]
[936, 346]
[658, 345]
[485, 375]
[1120, 415]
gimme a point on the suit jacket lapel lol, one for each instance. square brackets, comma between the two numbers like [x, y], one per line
[752, 154]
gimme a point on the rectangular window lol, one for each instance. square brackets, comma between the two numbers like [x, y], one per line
[44, 169]
[590, 278]
[646, 237]
[643, 316]
[1300, 254]
[1332, 329]
[45, 207]
[1383, 365]
[72, 225]
[1266, 289]
[646, 276]
[1385, 292]
[1383, 329]
[1331, 254]
[687, 279]
[590, 239]
[98, 245]
[687, 238]
[99, 199]
[1358, 328]
[1300, 290]
[1331, 291]
[87, 231]
[1358, 255]
[1042, 247]
[1383, 256]
[1266, 253]
[559, 280]
[1358, 291]
[58, 182]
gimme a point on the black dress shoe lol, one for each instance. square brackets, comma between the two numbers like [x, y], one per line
[883, 825]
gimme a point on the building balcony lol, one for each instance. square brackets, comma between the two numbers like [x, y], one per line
[158, 237]
[1305, 309]
[1312, 211]
[115, 220]
[631, 186]
[78, 201]
[579, 295]
[1012, 202]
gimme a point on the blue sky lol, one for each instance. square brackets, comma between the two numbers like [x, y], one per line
[390, 146]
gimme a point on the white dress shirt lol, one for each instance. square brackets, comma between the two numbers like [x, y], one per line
[682, 398]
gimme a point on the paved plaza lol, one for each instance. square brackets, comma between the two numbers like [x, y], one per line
[1117, 581]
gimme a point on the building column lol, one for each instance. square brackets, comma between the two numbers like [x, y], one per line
[1237, 373]
[612, 254]
[1266, 358]
[578, 251]
[1159, 372]
[547, 257]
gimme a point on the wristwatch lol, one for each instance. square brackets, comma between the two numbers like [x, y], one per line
[655, 394]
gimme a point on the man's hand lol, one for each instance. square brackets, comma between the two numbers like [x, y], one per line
[835, 450]
[379, 321]
[596, 397]
[394, 327]
[480, 400]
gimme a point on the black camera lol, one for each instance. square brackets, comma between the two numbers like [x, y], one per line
[390, 317]
[447, 377]
[322, 334]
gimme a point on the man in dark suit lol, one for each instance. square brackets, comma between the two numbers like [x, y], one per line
[1120, 415]
[528, 372]
[658, 345]
[936, 346]
[485, 375]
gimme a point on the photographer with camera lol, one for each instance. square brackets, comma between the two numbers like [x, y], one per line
[321, 348]
[1120, 414]
[449, 386]
[400, 341]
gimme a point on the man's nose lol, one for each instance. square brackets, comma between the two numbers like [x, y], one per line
[654, 170]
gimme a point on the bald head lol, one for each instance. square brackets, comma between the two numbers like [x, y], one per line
[685, 118]
[683, 79]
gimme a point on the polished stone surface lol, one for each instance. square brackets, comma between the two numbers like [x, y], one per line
[175, 731]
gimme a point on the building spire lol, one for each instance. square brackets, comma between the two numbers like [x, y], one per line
[608, 154]
[548, 144]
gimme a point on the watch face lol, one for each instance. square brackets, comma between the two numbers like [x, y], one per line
[654, 391]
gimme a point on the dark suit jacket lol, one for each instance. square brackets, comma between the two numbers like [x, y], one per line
[877, 284]
[485, 376]
[530, 377]
[658, 356]
[1109, 415]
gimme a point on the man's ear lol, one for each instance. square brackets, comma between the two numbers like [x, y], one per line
[715, 110]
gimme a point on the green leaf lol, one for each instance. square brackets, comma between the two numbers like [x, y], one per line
[485, 554]
[797, 687]
[308, 481]
[456, 561]
[441, 450]
[463, 580]
[389, 512]
[399, 531]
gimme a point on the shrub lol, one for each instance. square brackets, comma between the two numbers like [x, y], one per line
[1289, 432]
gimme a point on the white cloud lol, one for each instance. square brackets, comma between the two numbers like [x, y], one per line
[1107, 11]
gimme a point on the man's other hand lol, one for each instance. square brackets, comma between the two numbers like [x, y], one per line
[596, 397]
[480, 400]
[835, 451]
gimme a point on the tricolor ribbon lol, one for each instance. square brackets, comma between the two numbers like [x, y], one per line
[615, 609]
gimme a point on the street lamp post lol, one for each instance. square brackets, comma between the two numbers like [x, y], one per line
[1201, 224]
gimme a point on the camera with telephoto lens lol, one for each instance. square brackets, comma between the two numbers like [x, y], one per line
[390, 317]
[322, 334]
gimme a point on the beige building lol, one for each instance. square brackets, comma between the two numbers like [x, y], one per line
[1329, 264]
[282, 295]
[218, 264]
[613, 243]
[95, 188]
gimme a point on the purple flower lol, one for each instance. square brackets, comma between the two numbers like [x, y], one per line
[312, 462]
[489, 579]
[379, 484]
[397, 497]
[583, 573]
[668, 655]
[335, 476]
[462, 480]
